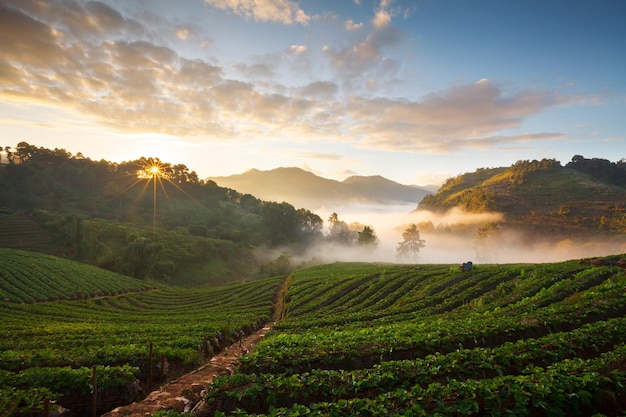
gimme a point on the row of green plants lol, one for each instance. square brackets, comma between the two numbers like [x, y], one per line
[364, 339]
[27, 277]
[575, 387]
[332, 385]
[434, 289]
[48, 348]
[309, 346]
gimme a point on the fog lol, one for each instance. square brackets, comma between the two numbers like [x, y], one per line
[450, 239]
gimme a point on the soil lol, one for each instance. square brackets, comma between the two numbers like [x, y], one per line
[184, 393]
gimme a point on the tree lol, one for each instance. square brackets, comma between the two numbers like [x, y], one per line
[339, 231]
[487, 242]
[410, 246]
[281, 222]
[367, 237]
[310, 225]
[7, 151]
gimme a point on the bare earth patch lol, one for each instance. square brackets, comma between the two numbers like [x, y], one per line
[184, 393]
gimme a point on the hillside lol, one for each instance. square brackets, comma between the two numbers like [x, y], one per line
[61, 321]
[363, 339]
[306, 189]
[147, 218]
[543, 197]
[519, 339]
[27, 277]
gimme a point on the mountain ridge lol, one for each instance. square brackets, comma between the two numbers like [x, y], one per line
[584, 196]
[306, 189]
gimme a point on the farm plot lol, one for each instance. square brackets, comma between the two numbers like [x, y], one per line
[48, 349]
[520, 340]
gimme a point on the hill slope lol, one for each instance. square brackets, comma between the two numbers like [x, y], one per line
[305, 189]
[540, 196]
[28, 277]
[363, 339]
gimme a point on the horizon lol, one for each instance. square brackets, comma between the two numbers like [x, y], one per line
[416, 92]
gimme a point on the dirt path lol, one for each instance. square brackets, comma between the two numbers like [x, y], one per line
[185, 392]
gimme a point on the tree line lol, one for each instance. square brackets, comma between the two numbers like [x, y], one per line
[151, 219]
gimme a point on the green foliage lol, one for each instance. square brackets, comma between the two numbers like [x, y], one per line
[27, 277]
[541, 198]
[612, 172]
[441, 201]
[545, 339]
[520, 170]
[48, 348]
[146, 218]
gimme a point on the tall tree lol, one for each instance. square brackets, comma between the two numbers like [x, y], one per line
[339, 231]
[487, 242]
[411, 244]
[367, 237]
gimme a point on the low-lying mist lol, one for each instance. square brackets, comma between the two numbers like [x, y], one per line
[450, 238]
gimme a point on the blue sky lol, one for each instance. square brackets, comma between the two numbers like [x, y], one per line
[415, 91]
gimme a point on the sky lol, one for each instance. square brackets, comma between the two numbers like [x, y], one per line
[416, 91]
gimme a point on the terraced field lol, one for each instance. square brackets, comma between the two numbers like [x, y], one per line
[60, 319]
[432, 340]
[357, 339]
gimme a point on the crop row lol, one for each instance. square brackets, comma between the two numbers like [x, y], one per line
[395, 294]
[274, 390]
[329, 347]
[47, 342]
[29, 277]
[85, 333]
[570, 387]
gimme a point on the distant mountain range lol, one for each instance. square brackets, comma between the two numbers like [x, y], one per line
[305, 189]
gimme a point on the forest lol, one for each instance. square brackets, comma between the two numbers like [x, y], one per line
[150, 219]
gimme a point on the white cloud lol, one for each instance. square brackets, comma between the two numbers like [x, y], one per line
[140, 86]
[297, 49]
[322, 90]
[468, 115]
[382, 19]
[283, 11]
[351, 26]
[182, 33]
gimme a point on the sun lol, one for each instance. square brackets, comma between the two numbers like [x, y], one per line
[154, 171]
[151, 170]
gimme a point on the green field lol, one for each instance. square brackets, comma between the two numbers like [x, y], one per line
[59, 319]
[374, 340]
[357, 339]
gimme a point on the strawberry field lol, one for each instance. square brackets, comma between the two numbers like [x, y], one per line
[356, 339]
[51, 339]
[499, 340]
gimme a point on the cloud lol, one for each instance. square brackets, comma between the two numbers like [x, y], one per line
[183, 33]
[351, 26]
[364, 61]
[255, 71]
[382, 19]
[282, 11]
[297, 49]
[322, 156]
[322, 90]
[140, 86]
[469, 115]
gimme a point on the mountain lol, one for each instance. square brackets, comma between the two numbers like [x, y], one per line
[585, 196]
[305, 189]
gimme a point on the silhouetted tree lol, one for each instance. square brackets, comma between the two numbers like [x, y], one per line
[339, 231]
[487, 242]
[367, 237]
[411, 244]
